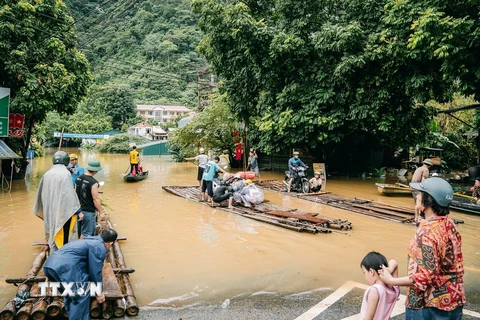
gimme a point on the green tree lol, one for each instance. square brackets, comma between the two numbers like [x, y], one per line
[115, 102]
[149, 47]
[454, 134]
[40, 60]
[120, 143]
[316, 73]
[211, 129]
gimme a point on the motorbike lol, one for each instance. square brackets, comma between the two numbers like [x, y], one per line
[219, 182]
[300, 182]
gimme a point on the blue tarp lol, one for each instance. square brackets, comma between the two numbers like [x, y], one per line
[6, 152]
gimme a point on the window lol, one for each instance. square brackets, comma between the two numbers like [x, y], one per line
[150, 113]
[165, 113]
[172, 113]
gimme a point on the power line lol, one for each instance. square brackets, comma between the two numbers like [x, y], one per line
[143, 67]
[92, 37]
[35, 28]
[96, 9]
[154, 73]
[101, 18]
[110, 22]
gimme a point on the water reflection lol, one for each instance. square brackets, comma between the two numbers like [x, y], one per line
[185, 252]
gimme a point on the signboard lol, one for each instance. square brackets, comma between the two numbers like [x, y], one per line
[320, 167]
[81, 135]
[4, 111]
[15, 125]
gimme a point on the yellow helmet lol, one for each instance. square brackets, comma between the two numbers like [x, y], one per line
[248, 181]
[73, 156]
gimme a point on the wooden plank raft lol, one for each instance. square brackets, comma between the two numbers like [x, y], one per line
[279, 187]
[292, 219]
[36, 306]
[362, 206]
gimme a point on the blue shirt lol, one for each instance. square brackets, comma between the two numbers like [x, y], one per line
[79, 261]
[210, 169]
[295, 162]
[77, 172]
[253, 162]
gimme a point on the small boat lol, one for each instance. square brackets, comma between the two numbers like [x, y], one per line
[393, 189]
[464, 203]
[134, 178]
[247, 174]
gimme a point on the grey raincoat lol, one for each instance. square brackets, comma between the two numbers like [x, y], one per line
[55, 204]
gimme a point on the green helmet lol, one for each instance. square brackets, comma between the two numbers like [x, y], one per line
[440, 190]
[61, 157]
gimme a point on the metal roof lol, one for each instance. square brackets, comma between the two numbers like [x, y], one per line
[151, 144]
[6, 152]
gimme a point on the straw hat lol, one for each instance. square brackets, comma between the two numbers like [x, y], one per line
[428, 162]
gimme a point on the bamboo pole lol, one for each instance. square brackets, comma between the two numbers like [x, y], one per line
[26, 280]
[39, 311]
[8, 312]
[107, 310]
[95, 310]
[118, 305]
[131, 302]
[119, 308]
[25, 311]
[54, 309]
[36, 266]
[61, 140]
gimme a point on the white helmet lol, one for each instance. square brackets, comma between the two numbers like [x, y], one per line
[202, 150]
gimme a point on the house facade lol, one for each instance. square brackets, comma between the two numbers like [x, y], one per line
[162, 114]
[153, 133]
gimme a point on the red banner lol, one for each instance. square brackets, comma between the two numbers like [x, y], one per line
[15, 125]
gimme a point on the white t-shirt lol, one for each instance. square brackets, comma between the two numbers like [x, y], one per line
[202, 160]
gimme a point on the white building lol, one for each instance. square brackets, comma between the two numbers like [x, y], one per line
[162, 114]
[148, 131]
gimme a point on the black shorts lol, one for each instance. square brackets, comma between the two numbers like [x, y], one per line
[208, 185]
[200, 173]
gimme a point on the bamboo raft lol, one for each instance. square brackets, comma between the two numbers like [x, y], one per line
[357, 205]
[292, 219]
[119, 297]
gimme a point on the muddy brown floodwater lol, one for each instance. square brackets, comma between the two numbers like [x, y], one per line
[185, 253]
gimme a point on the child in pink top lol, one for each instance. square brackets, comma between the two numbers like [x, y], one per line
[379, 299]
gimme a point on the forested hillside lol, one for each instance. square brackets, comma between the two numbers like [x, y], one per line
[147, 45]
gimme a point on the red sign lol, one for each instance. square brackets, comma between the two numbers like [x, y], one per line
[15, 125]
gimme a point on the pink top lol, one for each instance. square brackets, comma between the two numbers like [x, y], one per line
[386, 301]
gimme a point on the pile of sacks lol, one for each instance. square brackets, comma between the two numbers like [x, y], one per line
[244, 191]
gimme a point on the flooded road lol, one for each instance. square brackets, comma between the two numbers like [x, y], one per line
[185, 253]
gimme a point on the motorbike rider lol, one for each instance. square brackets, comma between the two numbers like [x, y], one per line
[293, 163]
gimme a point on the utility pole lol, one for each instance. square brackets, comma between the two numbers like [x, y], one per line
[205, 87]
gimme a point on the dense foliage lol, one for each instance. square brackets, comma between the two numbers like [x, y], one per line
[210, 129]
[40, 60]
[454, 134]
[121, 143]
[148, 46]
[315, 73]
